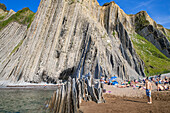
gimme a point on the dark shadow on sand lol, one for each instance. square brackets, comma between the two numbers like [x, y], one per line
[133, 101]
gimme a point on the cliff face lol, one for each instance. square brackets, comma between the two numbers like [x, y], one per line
[70, 38]
[156, 38]
[148, 28]
[110, 14]
[6, 14]
[11, 38]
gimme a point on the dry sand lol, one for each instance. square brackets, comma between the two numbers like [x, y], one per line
[124, 100]
[129, 92]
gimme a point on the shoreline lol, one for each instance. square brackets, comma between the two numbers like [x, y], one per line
[116, 101]
[31, 87]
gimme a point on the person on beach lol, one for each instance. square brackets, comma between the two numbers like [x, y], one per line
[165, 86]
[159, 87]
[148, 86]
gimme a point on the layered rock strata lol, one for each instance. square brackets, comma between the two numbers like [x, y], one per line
[72, 38]
[11, 38]
[157, 39]
[7, 15]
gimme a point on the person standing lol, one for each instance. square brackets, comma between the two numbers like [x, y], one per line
[148, 86]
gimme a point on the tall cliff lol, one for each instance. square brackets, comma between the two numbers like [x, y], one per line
[70, 38]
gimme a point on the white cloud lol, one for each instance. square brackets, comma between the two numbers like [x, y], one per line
[142, 4]
[163, 20]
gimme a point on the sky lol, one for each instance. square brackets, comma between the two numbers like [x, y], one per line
[19, 4]
[159, 10]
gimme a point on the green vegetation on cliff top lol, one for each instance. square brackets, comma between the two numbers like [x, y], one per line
[24, 16]
[3, 7]
[3, 16]
[140, 21]
[168, 34]
[155, 61]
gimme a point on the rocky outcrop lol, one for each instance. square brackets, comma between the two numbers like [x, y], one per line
[156, 38]
[10, 13]
[2, 11]
[164, 30]
[11, 38]
[4, 14]
[3, 7]
[110, 14]
[71, 38]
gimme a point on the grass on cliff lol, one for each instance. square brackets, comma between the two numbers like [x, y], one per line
[168, 34]
[2, 16]
[161, 28]
[140, 21]
[155, 61]
[17, 47]
[24, 16]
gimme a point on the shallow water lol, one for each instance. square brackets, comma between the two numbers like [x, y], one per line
[24, 101]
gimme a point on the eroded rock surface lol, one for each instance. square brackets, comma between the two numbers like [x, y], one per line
[71, 38]
[157, 38]
[11, 38]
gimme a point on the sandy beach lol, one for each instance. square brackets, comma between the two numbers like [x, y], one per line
[123, 100]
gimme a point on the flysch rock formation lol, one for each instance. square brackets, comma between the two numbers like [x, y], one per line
[154, 34]
[10, 13]
[6, 14]
[70, 38]
[2, 11]
[156, 38]
[11, 37]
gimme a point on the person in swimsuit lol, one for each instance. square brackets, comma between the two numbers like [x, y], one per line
[148, 86]
[159, 87]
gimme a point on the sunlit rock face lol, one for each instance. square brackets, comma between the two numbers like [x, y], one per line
[156, 38]
[70, 38]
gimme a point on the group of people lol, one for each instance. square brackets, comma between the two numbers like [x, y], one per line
[162, 84]
[146, 84]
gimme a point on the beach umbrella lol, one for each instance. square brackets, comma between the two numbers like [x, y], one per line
[113, 78]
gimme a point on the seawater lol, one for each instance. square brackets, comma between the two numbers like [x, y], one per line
[24, 101]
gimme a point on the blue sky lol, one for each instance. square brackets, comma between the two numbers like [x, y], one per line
[159, 10]
[19, 4]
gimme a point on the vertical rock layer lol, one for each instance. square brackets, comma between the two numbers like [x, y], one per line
[70, 38]
[11, 38]
[156, 38]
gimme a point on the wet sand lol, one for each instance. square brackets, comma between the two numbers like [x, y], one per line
[124, 100]
[116, 104]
